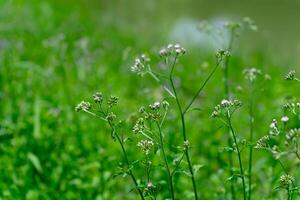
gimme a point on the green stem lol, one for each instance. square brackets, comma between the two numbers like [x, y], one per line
[201, 88]
[251, 122]
[170, 178]
[227, 95]
[183, 130]
[127, 163]
[239, 156]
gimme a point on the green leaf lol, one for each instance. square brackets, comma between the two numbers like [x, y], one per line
[35, 162]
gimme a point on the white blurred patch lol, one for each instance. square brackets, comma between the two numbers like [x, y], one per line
[211, 35]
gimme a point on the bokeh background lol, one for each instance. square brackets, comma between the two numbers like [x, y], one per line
[53, 54]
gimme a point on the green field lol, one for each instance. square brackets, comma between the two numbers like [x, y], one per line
[176, 130]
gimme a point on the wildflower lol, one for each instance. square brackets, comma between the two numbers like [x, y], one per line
[286, 180]
[98, 98]
[251, 74]
[292, 135]
[141, 65]
[83, 106]
[111, 117]
[285, 119]
[145, 145]
[221, 54]
[226, 108]
[155, 106]
[172, 50]
[290, 106]
[186, 144]
[263, 142]
[139, 126]
[274, 128]
[290, 76]
[142, 110]
[112, 101]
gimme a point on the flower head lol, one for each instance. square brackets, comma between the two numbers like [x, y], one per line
[141, 65]
[274, 130]
[290, 76]
[112, 101]
[172, 49]
[226, 108]
[85, 106]
[286, 180]
[139, 126]
[145, 145]
[263, 142]
[98, 97]
[251, 74]
[285, 119]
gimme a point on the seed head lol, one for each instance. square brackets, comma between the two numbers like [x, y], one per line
[221, 54]
[112, 101]
[263, 142]
[172, 50]
[286, 180]
[290, 76]
[111, 116]
[251, 74]
[274, 130]
[155, 106]
[285, 119]
[226, 107]
[292, 135]
[83, 106]
[141, 65]
[145, 145]
[98, 97]
[139, 126]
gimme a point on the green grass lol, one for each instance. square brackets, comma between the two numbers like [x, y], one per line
[53, 54]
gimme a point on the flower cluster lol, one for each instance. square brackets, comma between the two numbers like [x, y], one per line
[112, 101]
[263, 142]
[221, 54]
[274, 130]
[172, 49]
[292, 107]
[104, 111]
[139, 126]
[292, 136]
[98, 97]
[286, 180]
[85, 106]
[290, 76]
[251, 74]
[226, 108]
[141, 65]
[145, 145]
[154, 112]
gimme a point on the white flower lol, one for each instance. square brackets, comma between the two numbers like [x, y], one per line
[285, 119]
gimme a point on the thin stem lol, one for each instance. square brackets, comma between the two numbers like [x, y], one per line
[183, 129]
[202, 87]
[170, 179]
[127, 163]
[239, 156]
[227, 94]
[251, 122]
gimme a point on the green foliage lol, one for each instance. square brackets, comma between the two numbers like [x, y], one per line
[54, 54]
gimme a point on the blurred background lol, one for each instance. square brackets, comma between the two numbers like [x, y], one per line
[55, 53]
